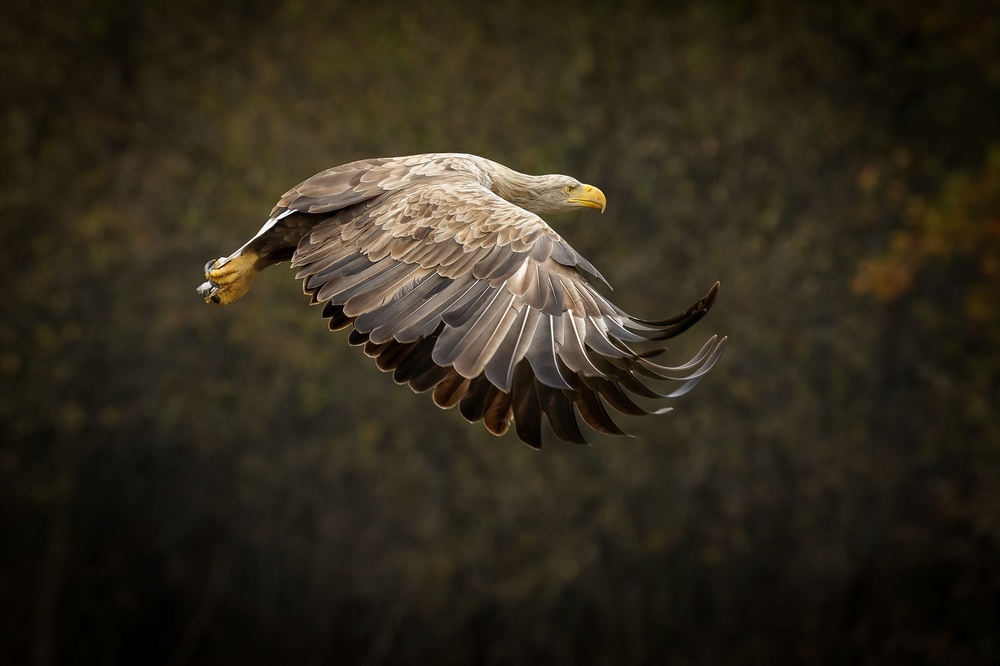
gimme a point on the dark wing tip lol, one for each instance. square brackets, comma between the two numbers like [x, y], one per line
[709, 298]
[662, 329]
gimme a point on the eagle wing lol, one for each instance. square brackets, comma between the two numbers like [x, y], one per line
[453, 289]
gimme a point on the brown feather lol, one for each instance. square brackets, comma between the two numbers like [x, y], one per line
[450, 390]
[558, 408]
[527, 413]
[498, 415]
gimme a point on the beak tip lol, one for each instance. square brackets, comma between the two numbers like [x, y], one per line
[592, 198]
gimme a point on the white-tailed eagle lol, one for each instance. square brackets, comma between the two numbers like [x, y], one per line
[444, 271]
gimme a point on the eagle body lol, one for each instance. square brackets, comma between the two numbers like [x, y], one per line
[446, 274]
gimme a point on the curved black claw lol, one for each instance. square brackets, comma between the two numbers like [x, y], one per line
[209, 291]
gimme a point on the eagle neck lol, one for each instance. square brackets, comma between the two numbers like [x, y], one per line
[514, 186]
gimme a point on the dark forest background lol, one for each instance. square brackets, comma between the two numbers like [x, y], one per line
[185, 484]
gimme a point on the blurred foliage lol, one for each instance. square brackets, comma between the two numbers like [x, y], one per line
[185, 484]
[962, 228]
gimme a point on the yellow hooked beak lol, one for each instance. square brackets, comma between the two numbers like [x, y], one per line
[587, 195]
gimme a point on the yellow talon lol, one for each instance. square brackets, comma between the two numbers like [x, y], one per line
[228, 278]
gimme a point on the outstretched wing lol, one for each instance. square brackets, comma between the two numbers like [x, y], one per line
[452, 288]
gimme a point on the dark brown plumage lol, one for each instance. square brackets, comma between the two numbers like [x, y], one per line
[446, 275]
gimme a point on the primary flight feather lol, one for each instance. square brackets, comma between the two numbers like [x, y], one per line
[444, 271]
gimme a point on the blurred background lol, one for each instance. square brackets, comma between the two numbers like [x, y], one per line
[184, 484]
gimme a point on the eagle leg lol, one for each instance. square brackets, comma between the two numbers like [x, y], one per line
[228, 278]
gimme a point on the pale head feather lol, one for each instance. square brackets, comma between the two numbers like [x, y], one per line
[539, 194]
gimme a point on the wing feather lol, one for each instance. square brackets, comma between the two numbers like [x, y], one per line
[331, 284]
[416, 364]
[477, 399]
[541, 354]
[403, 305]
[461, 347]
[450, 390]
[335, 313]
[589, 404]
[524, 404]
[558, 408]
[423, 320]
[478, 350]
[500, 368]
[497, 414]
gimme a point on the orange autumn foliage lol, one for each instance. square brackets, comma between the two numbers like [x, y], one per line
[960, 227]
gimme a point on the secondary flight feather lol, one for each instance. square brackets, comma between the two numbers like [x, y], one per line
[443, 270]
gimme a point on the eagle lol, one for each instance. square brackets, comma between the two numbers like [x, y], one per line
[443, 269]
